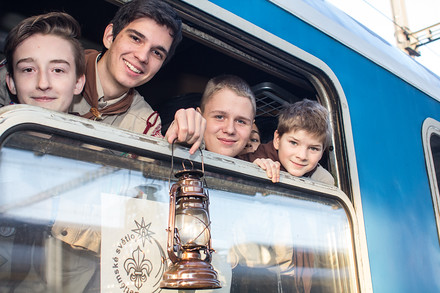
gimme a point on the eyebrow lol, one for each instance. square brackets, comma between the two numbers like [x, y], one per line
[23, 60]
[215, 112]
[225, 113]
[143, 37]
[244, 118]
[55, 61]
[296, 139]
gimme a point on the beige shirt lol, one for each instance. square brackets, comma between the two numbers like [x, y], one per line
[138, 116]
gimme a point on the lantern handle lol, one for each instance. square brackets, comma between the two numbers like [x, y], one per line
[172, 233]
[183, 163]
[172, 165]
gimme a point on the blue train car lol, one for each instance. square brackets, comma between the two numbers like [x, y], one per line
[386, 101]
[376, 231]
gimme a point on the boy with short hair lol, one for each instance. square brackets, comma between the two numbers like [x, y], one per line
[303, 133]
[45, 61]
[228, 105]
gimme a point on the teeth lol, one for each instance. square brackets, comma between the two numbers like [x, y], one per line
[132, 68]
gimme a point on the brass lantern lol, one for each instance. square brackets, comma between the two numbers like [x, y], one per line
[189, 235]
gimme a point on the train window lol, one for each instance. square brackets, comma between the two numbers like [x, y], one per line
[431, 144]
[211, 46]
[79, 215]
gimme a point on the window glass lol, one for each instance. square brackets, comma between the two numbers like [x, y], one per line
[431, 142]
[435, 149]
[76, 217]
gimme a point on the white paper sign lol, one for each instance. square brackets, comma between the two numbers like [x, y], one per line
[133, 247]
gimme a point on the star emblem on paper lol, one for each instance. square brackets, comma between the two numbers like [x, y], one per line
[143, 231]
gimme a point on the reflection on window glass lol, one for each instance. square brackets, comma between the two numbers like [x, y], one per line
[435, 149]
[432, 154]
[79, 218]
[281, 244]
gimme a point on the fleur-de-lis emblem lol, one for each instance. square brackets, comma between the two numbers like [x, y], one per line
[138, 268]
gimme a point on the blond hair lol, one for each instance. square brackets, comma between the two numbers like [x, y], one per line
[232, 82]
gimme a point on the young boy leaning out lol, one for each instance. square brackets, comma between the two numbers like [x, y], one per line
[45, 61]
[303, 133]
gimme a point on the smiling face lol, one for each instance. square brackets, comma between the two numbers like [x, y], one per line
[298, 151]
[229, 120]
[44, 73]
[134, 56]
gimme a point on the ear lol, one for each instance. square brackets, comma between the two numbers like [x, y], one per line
[11, 84]
[79, 85]
[199, 110]
[107, 39]
[276, 140]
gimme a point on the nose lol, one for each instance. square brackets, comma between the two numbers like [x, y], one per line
[301, 153]
[143, 54]
[228, 126]
[43, 81]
